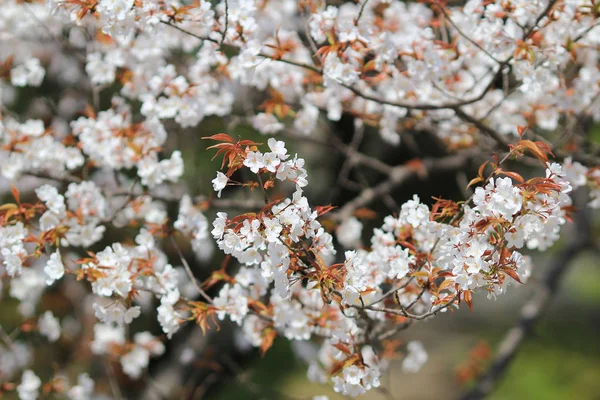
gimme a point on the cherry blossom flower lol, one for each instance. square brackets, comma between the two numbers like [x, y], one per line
[49, 326]
[220, 182]
[30, 385]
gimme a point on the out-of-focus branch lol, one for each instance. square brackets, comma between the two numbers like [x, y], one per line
[461, 33]
[580, 239]
[349, 162]
[226, 23]
[355, 157]
[248, 204]
[46, 175]
[498, 137]
[559, 155]
[402, 174]
[6, 338]
[189, 272]
[171, 372]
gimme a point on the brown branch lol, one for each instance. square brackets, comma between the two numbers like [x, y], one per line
[47, 175]
[226, 23]
[360, 12]
[170, 373]
[461, 33]
[249, 204]
[497, 136]
[559, 155]
[189, 272]
[402, 174]
[202, 38]
[395, 329]
[403, 313]
[356, 157]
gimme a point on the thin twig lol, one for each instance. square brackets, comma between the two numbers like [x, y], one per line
[360, 13]
[114, 385]
[6, 338]
[403, 313]
[460, 32]
[349, 161]
[189, 271]
[402, 174]
[226, 23]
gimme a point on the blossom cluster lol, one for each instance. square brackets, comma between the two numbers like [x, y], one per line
[123, 279]
[97, 95]
[28, 147]
[579, 175]
[112, 140]
[288, 283]
[376, 60]
[432, 264]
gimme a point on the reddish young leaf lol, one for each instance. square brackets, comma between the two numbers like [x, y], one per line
[510, 174]
[447, 283]
[468, 299]
[268, 336]
[324, 209]
[474, 181]
[408, 245]
[481, 169]
[505, 254]
[89, 111]
[538, 149]
[8, 206]
[512, 273]
[16, 194]
[343, 348]
[417, 165]
[365, 213]
[221, 137]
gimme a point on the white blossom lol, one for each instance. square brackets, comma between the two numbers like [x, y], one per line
[49, 326]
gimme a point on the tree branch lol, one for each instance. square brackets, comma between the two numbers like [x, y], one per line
[402, 174]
